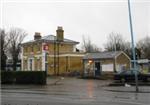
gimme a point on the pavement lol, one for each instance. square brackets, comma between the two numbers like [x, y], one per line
[74, 91]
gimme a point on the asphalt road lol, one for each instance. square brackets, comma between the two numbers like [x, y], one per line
[72, 91]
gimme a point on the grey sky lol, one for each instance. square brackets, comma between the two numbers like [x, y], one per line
[94, 19]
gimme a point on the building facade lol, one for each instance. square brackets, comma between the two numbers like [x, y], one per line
[96, 64]
[54, 54]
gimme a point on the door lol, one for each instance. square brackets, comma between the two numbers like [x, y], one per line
[97, 69]
[46, 68]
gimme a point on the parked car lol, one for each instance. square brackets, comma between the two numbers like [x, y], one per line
[129, 75]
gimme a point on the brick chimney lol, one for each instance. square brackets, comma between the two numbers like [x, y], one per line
[60, 33]
[37, 36]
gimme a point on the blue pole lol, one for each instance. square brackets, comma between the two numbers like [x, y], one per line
[133, 46]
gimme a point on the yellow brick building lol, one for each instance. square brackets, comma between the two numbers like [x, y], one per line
[97, 64]
[54, 54]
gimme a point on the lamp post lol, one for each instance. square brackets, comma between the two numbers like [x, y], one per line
[133, 47]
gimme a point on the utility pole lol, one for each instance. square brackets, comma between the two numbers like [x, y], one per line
[133, 47]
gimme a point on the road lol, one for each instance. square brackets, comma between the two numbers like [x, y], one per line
[72, 91]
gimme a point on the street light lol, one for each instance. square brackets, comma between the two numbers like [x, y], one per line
[133, 47]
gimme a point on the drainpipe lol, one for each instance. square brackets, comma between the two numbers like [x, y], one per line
[115, 64]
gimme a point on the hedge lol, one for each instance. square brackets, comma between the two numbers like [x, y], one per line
[23, 77]
[7, 77]
[30, 77]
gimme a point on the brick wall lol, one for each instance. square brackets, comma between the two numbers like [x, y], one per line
[122, 59]
[67, 64]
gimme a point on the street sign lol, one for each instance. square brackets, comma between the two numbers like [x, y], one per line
[143, 61]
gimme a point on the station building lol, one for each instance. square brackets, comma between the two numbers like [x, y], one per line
[52, 53]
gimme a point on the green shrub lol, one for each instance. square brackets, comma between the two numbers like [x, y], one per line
[7, 77]
[30, 77]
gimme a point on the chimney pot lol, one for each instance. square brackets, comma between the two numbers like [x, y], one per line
[37, 35]
[60, 33]
[60, 28]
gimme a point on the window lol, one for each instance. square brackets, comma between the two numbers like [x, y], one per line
[129, 72]
[26, 49]
[38, 47]
[31, 48]
[46, 55]
[30, 64]
[38, 64]
[25, 64]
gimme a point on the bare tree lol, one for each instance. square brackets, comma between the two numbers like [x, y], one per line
[88, 46]
[16, 35]
[128, 49]
[144, 46]
[115, 42]
[4, 42]
[3, 47]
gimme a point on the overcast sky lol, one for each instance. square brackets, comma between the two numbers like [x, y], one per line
[96, 19]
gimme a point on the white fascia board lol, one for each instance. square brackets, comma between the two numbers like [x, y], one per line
[64, 55]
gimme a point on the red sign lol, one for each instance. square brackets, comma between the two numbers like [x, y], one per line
[45, 47]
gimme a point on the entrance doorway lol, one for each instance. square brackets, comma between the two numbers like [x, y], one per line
[97, 69]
